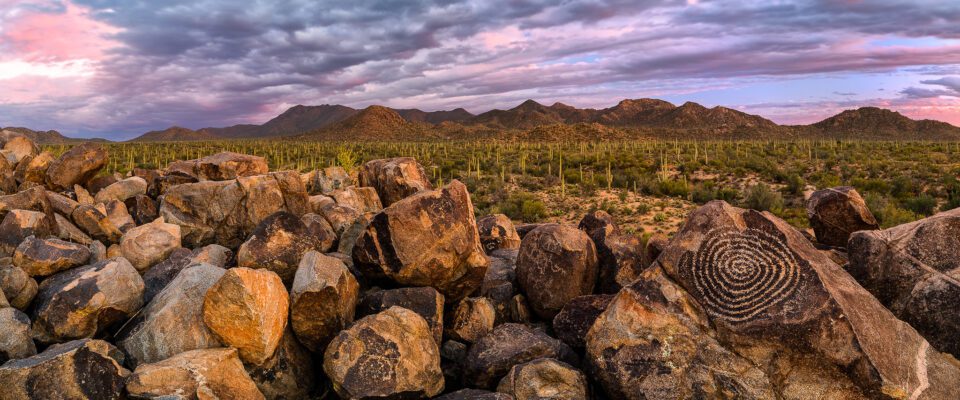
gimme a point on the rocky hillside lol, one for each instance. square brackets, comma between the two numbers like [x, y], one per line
[217, 278]
[371, 124]
[175, 134]
[873, 122]
[45, 137]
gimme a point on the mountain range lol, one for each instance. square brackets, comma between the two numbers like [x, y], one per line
[628, 119]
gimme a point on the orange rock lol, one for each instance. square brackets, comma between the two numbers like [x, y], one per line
[247, 309]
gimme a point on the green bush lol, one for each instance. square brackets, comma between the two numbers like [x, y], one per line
[523, 206]
[923, 204]
[762, 198]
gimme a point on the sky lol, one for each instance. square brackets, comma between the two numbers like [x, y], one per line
[118, 68]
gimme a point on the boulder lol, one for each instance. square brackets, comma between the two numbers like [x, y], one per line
[323, 299]
[172, 322]
[33, 169]
[497, 232]
[18, 225]
[327, 180]
[96, 184]
[475, 394]
[524, 229]
[227, 165]
[45, 257]
[195, 374]
[914, 270]
[389, 354]
[18, 147]
[105, 222]
[76, 166]
[472, 318]
[620, 260]
[394, 178]
[214, 254]
[98, 252]
[149, 244]
[17, 286]
[425, 301]
[61, 204]
[160, 184]
[339, 217]
[556, 263]
[122, 190]
[598, 225]
[499, 283]
[320, 230]
[160, 275]
[575, 319]
[763, 284]
[247, 309]
[80, 369]
[142, 208]
[835, 213]
[33, 199]
[491, 357]
[363, 199]
[82, 302]
[290, 374]
[15, 340]
[545, 378]
[428, 239]
[66, 230]
[349, 236]
[317, 202]
[228, 211]
[277, 244]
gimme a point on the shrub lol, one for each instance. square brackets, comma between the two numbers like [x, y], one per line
[923, 204]
[762, 198]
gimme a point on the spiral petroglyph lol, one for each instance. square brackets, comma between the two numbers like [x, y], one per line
[741, 274]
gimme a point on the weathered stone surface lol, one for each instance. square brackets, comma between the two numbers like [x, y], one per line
[228, 211]
[214, 254]
[160, 184]
[173, 321]
[758, 277]
[33, 168]
[227, 165]
[835, 213]
[507, 345]
[499, 283]
[158, 276]
[317, 202]
[350, 235]
[394, 178]
[914, 270]
[247, 309]
[497, 232]
[82, 302]
[575, 319]
[556, 263]
[122, 190]
[327, 180]
[76, 166]
[196, 374]
[44, 257]
[389, 354]
[619, 256]
[290, 374]
[17, 146]
[339, 217]
[80, 369]
[105, 222]
[33, 199]
[83, 196]
[320, 230]
[15, 340]
[277, 244]
[323, 299]
[149, 244]
[17, 225]
[98, 252]
[425, 301]
[473, 318]
[60, 203]
[475, 394]
[428, 239]
[17, 286]
[524, 229]
[598, 225]
[96, 184]
[142, 208]
[363, 199]
[66, 230]
[545, 378]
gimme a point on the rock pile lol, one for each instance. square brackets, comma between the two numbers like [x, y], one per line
[216, 278]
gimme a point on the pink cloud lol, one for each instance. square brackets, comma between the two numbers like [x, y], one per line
[69, 34]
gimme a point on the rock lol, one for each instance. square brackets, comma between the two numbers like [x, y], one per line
[497, 232]
[105, 222]
[620, 260]
[289, 375]
[556, 263]
[32, 199]
[914, 270]
[836, 213]
[320, 230]
[122, 190]
[149, 244]
[228, 211]
[655, 246]
[348, 239]
[76, 166]
[195, 374]
[18, 225]
[66, 230]
[214, 254]
[575, 319]
[394, 178]
[173, 321]
[96, 184]
[519, 309]
[339, 217]
[159, 185]
[15, 340]
[473, 318]
[475, 394]
[425, 301]
[82, 302]
[80, 369]
[385, 355]
[277, 244]
[142, 208]
[598, 225]
[524, 229]
[98, 252]
[499, 283]
[316, 203]
[328, 179]
[761, 281]
[428, 239]
[158, 276]
[45, 257]
[507, 345]
[33, 168]
[61, 204]
[83, 196]
[452, 356]
[17, 286]
[226, 165]
[247, 309]
[544, 379]
[323, 299]
[18, 146]
[363, 199]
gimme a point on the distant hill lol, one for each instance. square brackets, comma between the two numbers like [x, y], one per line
[48, 137]
[434, 117]
[879, 123]
[175, 134]
[372, 123]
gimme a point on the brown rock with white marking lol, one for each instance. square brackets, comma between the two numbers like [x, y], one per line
[277, 244]
[497, 232]
[394, 178]
[472, 319]
[76, 166]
